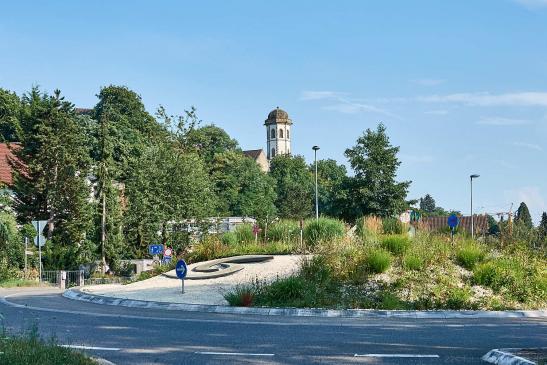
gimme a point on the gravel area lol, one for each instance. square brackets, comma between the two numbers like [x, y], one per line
[209, 291]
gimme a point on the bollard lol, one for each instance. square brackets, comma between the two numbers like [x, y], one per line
[81, 279]
[62, 280]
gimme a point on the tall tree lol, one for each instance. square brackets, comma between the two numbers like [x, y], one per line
[523, 216]
[427, 204]
[374, 189]
[209, 141]
[242, 188]
[294, 186]
[332, 187]
[10, 114]
[53, 183]
[542, 230]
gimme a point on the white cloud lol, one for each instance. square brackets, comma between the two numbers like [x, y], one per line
[352, 108]
[501, 121]
[436, 112]
[531, 146]
[507, 164]
[533, 198]
[428, 82]
[529, 98]
[320, 95]
[532, 3]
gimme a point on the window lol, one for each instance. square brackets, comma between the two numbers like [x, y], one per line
[281, 133]
[273, 149]
[288, 134]
[272, 133]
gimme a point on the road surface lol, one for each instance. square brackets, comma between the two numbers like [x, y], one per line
[143, 336]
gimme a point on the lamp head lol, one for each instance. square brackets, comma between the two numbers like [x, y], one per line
[315, 148]
[474, 176]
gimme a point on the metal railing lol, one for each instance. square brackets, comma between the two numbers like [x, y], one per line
[63, 279]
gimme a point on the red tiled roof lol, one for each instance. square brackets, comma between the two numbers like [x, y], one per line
[7, 160]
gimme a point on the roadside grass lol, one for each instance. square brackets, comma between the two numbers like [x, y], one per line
[13, 283]
[30, 349]
[379, 271]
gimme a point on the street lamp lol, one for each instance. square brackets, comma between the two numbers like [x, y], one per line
[315, 148]
[471, 177]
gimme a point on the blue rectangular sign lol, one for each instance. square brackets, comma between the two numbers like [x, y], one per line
[155, 249]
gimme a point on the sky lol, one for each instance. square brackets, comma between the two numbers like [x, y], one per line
[460, 85]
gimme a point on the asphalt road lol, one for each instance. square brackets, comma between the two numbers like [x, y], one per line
[143, 336]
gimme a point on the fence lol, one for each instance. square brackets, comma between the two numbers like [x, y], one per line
[63, 279]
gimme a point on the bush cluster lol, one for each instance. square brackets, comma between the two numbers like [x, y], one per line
[470, 254]
[322, 230]
[396, 244]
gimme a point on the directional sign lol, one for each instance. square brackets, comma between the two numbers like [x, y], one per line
[155, 249]
[453, 221]
[181, 269]
[39, 240]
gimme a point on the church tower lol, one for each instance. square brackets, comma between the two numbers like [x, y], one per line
[278, 133]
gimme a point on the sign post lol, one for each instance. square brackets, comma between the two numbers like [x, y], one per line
[181, 271]
[256, 229]
[453, 222]
[302, 234]
[26, 251]
[39, 241]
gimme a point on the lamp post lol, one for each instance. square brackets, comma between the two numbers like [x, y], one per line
[315, 148]
[471, 177]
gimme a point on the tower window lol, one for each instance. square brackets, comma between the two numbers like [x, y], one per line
[272, 133]
[287, 134]
[273, 152]
[281, 133]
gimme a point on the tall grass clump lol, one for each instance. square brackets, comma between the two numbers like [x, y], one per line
[229, 238]
[470, 254]
[322, 230]
[413, 262]
[396, 244]
[377, 261]
[392, 225]
[284, 231]
[369, 226]
[244, 233]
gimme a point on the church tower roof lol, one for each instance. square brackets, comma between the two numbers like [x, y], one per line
[278, 116]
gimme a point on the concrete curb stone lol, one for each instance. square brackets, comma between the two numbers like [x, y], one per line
[505, 357]
[77, 294]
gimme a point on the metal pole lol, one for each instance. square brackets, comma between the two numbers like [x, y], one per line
[39, 251]
[315, 148]
[472, 231]
[26, 249]
[182, 281]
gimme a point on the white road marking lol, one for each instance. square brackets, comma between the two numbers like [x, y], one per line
[396, 355]
[231, 353]
[81, 347]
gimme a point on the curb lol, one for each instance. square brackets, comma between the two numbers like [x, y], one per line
[76, 294]
[505, 357]
[101, 361]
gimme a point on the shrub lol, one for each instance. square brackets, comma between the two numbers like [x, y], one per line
[322, 229]
[392, 225]
[369, 225]
[282, 291]
[413, 262]
[229, 239]
[378, 261]
[244, 233]
[284, 231]
[396, 244]
[469, 255]
[458, 298]
[241, 295]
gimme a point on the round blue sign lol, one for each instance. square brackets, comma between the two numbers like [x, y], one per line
[181, 269]
[453, 221]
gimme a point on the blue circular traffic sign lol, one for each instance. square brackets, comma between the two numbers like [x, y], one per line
[453, 221]
[181, 269]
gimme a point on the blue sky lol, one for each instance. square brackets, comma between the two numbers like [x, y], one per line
[460, 85]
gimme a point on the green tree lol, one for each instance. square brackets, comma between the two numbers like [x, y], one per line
[209, 141]
[332, 187]
[427, 204]
[523, 217]
[542, 230]
[242, 189]
[294, 186]
[10, 114]
[53, 183]
[374, 189]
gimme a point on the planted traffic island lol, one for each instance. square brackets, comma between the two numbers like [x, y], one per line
[373, 270]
